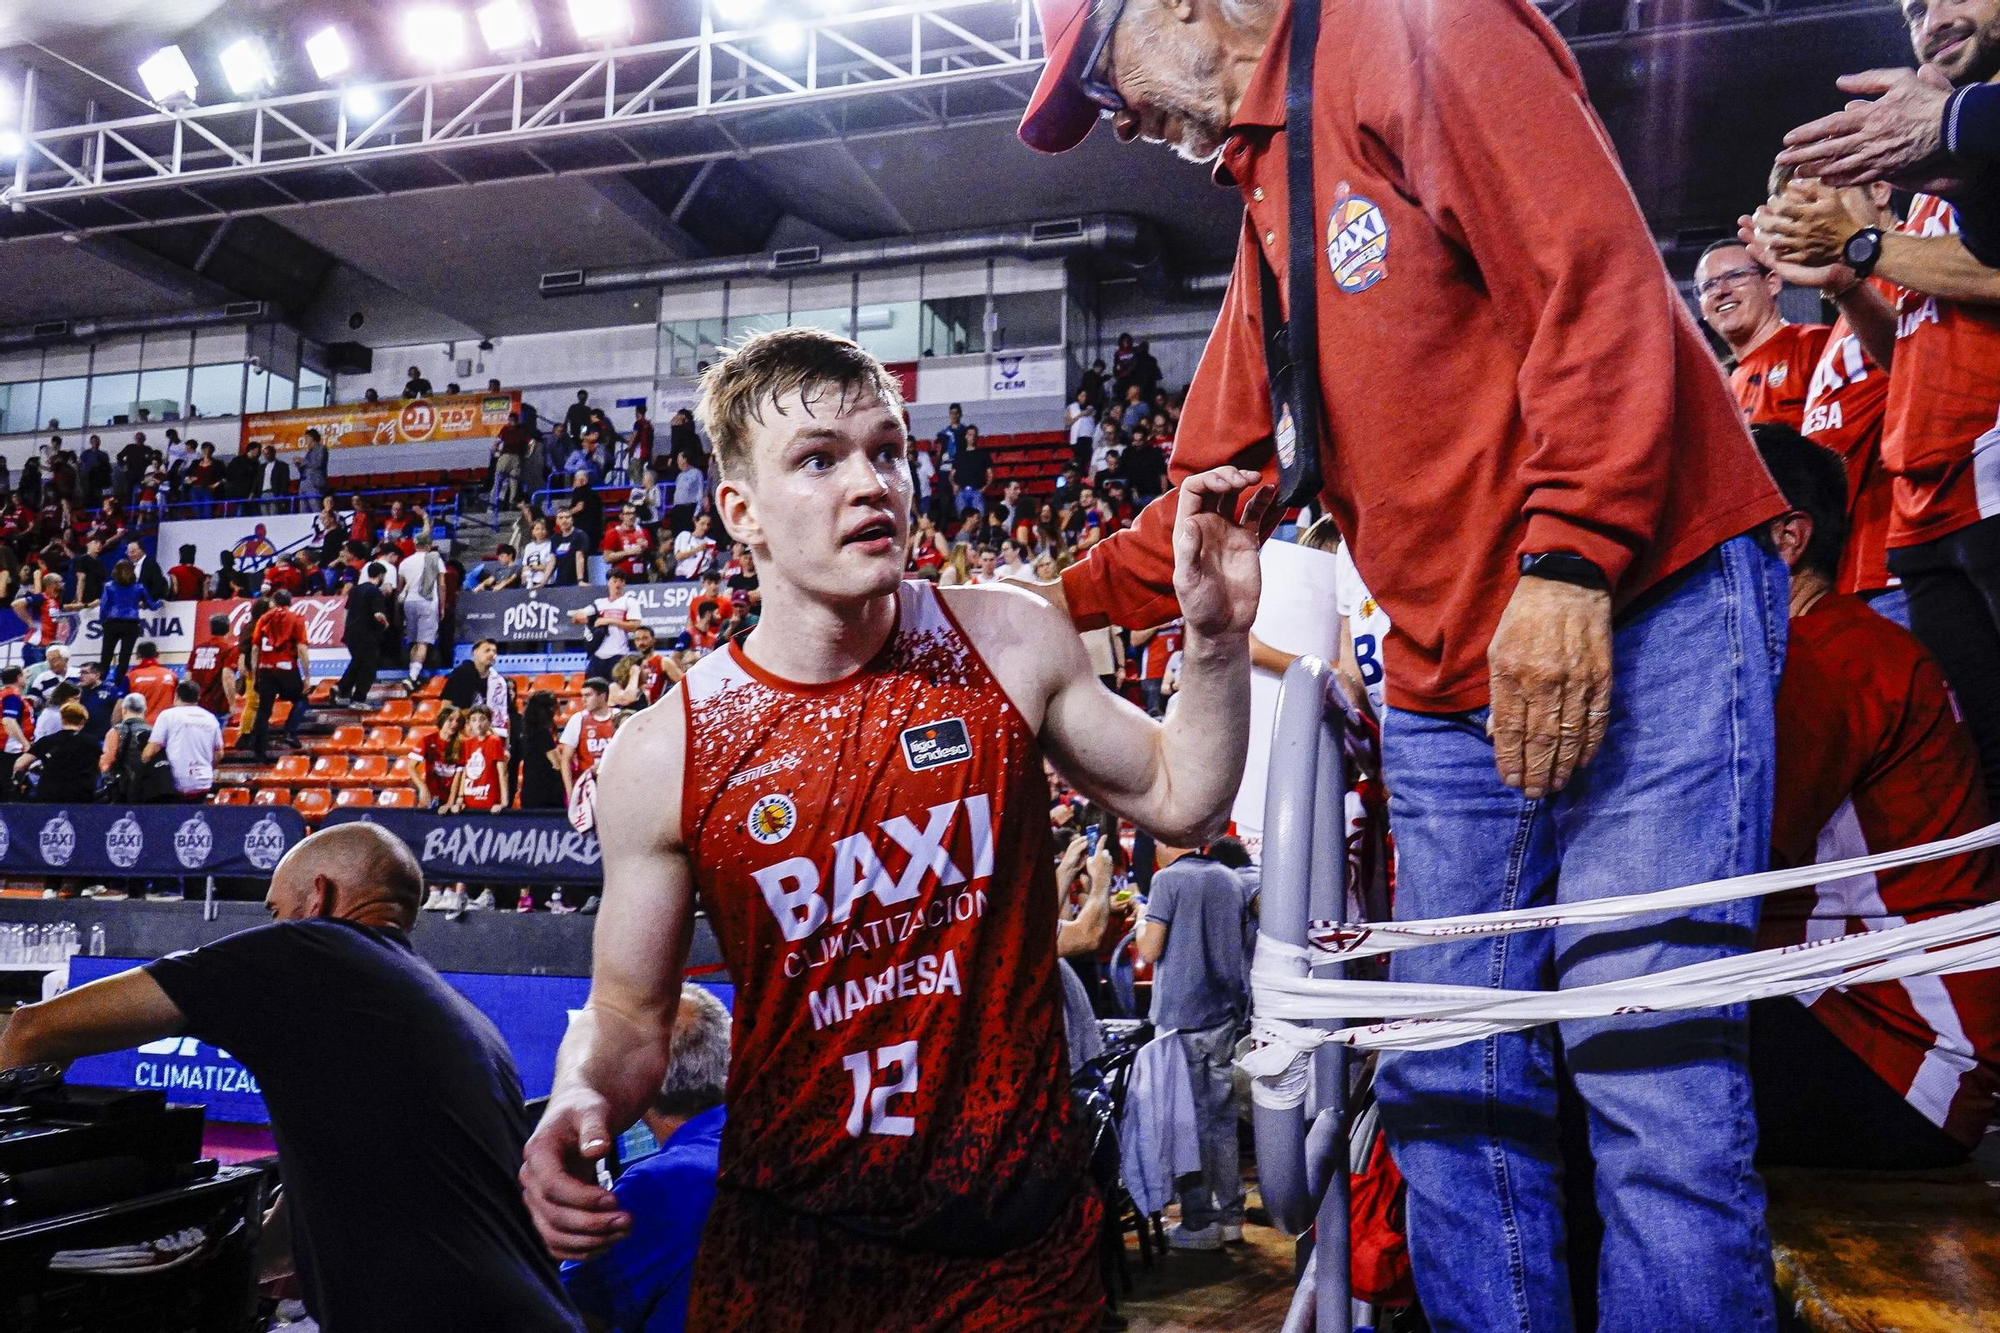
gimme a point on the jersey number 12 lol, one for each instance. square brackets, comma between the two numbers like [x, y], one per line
[871, 1096]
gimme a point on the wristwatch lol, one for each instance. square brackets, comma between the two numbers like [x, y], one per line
[1862, 250]
[1564, 567]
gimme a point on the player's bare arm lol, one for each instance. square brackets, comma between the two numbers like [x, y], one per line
[615, 1052]
[1176, 778]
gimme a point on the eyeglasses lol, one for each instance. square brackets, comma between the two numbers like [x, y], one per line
[1729, 279]
[1094, 78]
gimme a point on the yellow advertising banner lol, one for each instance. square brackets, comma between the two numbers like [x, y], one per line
[459, 416]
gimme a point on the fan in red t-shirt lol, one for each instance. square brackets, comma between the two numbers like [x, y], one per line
[481, 782]
[1872, 756]
[657, 671]
[436, 761]
[186, 581]
[1774, 359]
[213, 666]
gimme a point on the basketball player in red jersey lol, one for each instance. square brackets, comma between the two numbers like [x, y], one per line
[855, 795]
[1774, 357]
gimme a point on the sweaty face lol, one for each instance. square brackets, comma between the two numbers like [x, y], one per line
[1736, 296]
[828, 494]
[1960, 37]
[1169, 74]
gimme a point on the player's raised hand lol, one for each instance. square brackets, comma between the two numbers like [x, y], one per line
[1216, 535]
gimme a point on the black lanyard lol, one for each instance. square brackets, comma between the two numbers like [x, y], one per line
[1291, 348]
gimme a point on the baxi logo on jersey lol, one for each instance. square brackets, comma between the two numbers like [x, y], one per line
[1357, 241]
[933, 744]
[772, 818]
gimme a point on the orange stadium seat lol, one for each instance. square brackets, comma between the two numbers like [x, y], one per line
[395, 710]
[365, 770]
[230, 796]
[328, 768]
[552, 681]
[272, 796]
[575, 682]
[313, 803]
[321, 693]
[414, 737]
[382, 740]
[426, 710]
[349, 736]
[396, 798]
[348, 797]
[229, 735]
[431, 688]
[289, 768]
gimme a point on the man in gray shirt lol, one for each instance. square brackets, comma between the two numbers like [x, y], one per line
[1192, 932]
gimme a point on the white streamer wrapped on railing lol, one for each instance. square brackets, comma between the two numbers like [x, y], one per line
[1370, 938]
[1431, 1017]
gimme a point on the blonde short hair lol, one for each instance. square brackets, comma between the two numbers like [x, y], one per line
[776, 363]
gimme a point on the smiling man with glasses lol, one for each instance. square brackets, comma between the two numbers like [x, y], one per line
[1774, 357]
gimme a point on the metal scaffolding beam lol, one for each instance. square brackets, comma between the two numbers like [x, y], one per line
[720, 92]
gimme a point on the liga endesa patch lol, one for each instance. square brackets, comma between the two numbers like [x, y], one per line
[933, 744]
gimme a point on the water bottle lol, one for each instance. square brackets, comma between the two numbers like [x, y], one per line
[71, 944]
[10, 943]
[97, 939]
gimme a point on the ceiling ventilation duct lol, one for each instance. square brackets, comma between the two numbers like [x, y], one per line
[87, 330]
[1057, 238]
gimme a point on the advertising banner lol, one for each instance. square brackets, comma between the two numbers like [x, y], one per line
[461, 416]
[252, 539]
[531, 1013]
[491, 849]
[325, 617]
[171, 627]
[165, 841]
[543, 616]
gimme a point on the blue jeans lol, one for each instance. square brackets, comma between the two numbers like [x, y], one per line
[1890, 603]
[1680, 793]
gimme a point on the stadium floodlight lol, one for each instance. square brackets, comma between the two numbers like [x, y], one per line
[327, 49]
[12, 145]
[434, 34]
[738, 12]
[246, 65]
[363, 103]
[786, 38]
[598, 20]
[507, 25]
[168, 76]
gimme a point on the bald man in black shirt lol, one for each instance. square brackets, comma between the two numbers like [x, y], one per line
[396, 1106]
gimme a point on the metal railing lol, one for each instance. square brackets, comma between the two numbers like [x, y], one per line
[1303, 1166]
[435, 501]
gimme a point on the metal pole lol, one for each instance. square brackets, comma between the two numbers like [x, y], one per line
[1328, 902]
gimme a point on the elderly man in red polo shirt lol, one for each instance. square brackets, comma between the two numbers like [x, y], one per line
[1545, 481]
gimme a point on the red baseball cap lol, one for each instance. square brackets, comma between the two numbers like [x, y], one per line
[1059, 116]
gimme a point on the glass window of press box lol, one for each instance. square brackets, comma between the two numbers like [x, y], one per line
[173, 375]
[957, 309]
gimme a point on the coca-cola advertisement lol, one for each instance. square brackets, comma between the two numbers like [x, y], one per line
[325, 618]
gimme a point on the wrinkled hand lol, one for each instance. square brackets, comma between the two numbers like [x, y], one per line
[1896, 138]
[1806, 225]
[1216, 575]
[577, 1217]
[1551, 678]
[1834, 279]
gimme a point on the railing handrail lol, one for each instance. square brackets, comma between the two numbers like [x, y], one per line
[235, 508]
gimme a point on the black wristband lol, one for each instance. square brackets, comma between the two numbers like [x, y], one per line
[1564, 567]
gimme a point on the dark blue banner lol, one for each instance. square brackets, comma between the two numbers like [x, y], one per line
[146, 841]
[491, 849]
[532, 1013]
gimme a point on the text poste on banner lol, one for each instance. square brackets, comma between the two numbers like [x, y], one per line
[543, 616]
[154, 841]
[459, 416]
[491, 849]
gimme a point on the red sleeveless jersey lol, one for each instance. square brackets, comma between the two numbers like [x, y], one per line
[1844, 412]
[874, 856]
